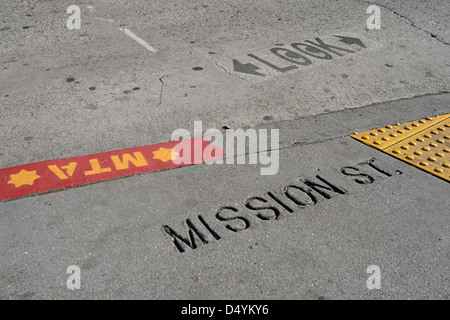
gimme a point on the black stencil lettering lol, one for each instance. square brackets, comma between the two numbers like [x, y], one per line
[290, 190]
[363, 178]
[270, 194]
[271, 64]
[291, 56]
[214, 234]
[370, 163]
[328, 47]
[319, 188]
[220, 215]
[190, 242]
[312, 51]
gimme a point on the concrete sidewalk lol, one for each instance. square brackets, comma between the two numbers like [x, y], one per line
[250, 237]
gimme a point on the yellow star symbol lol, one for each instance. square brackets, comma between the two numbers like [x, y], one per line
[165, 155]
[22, 178]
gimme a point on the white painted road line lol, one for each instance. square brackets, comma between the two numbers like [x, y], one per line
[139, 40]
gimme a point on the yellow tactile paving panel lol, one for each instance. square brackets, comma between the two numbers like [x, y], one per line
[424, 143]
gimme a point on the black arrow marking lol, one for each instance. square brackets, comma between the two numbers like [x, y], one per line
[246, 68]
[350, 41]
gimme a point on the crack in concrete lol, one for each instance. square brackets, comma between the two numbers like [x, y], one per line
[162, 89]
[411, 22]
[226, 71]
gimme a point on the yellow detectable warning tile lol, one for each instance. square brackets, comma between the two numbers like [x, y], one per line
[387, 136]
[423, 143]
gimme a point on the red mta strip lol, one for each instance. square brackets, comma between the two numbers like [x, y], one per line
[47, 176]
